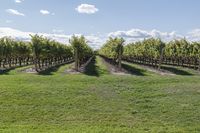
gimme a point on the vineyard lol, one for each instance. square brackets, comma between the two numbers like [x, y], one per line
[99, 66]
[42, 52]
[154, 52]
[118, 88]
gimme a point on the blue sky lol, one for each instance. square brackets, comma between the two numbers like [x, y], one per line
[129, 18]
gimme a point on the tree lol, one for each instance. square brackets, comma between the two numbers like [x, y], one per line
[119, 42]
[36, 46]
[81, 50]
[48, 53]
[113, 49]
[149, 51]
[161, 52]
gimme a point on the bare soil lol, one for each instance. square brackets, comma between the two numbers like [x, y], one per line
[71, 70]
[29, 70]
[155, 70]
[113, 69]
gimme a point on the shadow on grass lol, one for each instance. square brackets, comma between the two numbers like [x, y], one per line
[7, 71]
[51, 70]
[171, 69]
[92, 69]
[132, 70]
[176, 71]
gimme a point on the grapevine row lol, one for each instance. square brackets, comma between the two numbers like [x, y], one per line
[112, 51]
[155, 52]
[41, 52]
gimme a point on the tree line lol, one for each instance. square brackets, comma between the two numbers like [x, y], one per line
[42, 52]
[14, 53]
[154, 52]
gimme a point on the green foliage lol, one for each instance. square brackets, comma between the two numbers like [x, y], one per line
[177, 52]
[80, 44]
[149, 48]
[14, 52]
[182, 48]
[11, 48]
[39, 51]
[45, 48]
[112, 48]
[82, 51]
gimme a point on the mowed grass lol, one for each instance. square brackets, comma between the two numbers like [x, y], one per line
[99, 103]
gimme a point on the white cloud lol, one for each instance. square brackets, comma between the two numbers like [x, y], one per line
[94, 41]
[19, 1]
[86, 8]
[44, 12]
[138, 35]
[20, 35]
[14, 12]
[194, 35]
[16, 34]
[97, 40]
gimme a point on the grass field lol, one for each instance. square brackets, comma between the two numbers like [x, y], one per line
[99, 102]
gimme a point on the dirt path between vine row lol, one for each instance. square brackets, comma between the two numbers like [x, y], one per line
[113, 69]
[31, 69]
[71, 70]
[160, 72]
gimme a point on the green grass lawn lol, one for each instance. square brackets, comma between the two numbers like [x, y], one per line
[99, 102]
